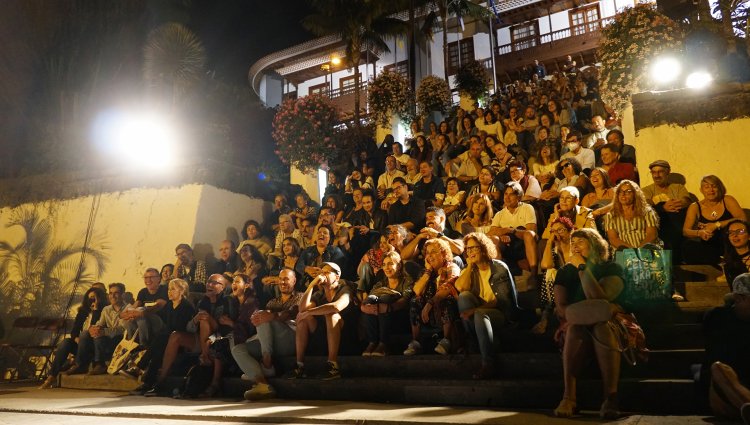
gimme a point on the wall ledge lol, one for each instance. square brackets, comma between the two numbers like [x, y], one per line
[683, 107]
[70, 185]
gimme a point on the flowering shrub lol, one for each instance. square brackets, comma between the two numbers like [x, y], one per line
[304, 132]
[388, 95]
[629, 44]
[472, 79]
[433, 94]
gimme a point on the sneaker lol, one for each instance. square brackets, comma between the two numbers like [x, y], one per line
[246, 377]
[443, 347]
[99, 369]
[297, 373]
[333, 373]
[132, 373]
[368, 350]
[50, 382]
[260, 392]
[677, 297]
[154, 391]
[140, 390]
[413, 348]
[268, 372]
[379, 351]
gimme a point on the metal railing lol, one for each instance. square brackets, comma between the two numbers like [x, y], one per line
[588, 28]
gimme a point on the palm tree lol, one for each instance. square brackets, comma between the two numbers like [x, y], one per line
[38, 274]
[173, 60]
[458, 9]
[360, 24]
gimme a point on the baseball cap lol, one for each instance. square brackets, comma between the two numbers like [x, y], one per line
[741, 284]
[334, 266]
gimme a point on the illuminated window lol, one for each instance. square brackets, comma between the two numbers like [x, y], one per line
[525, 35]
[585, 19]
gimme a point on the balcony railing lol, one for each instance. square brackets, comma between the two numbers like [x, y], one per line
[588, 28]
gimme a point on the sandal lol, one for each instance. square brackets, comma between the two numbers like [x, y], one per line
[566, 409]
[212, 391]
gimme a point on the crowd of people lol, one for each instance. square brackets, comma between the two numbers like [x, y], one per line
[538, 185]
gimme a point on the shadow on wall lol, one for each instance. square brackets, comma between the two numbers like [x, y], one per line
[38, 272]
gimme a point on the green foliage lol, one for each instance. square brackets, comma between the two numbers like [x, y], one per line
[304, 132]
[173, 59]
[433, 94]
[388, 95]
[629, 44]
[472, 79]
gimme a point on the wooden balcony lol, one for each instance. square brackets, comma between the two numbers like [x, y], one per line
[580, 41]
[343, 99]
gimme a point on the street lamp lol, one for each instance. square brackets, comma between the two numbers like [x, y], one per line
[665, 70]
[698, 80]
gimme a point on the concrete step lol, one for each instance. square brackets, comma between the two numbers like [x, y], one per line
[639, 395]
[98, 382]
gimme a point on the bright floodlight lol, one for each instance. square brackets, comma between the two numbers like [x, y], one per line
[665, 70]
[335, 60]
[144, 140]
[698, 80]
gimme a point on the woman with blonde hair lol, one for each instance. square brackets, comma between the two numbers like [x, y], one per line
[435, 298]
[479, 217]
[631, 223]
[487, 297]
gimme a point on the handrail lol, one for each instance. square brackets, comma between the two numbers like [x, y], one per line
[538, 40]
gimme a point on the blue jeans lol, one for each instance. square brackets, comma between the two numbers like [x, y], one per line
[484, 324]
[65, 347]
[274, 337]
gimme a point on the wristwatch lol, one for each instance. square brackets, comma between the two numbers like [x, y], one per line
[440, 234]
[582, 267]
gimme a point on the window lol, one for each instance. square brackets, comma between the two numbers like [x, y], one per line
[585, 19]
[525, 35]
[346, 84]
[459, 52]
[399, 68]
[319, 89]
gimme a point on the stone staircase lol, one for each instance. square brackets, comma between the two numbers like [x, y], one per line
[529, 368]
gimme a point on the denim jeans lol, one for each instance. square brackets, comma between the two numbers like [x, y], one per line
[65, 347]
[484, 324]
[273, 337]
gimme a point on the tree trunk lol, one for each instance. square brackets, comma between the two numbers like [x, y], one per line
[355, 61]
[727, 27]
[444, 18]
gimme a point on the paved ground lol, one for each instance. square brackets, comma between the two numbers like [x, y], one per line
[23, 404]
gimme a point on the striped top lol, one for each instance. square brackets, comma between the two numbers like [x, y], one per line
[632, 232]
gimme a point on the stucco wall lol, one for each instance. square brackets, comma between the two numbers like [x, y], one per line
[132, 230]
[698, 149]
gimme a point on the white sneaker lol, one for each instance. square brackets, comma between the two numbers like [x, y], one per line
[260, 392]
[268, 372]
[245, 377]
[443, 347]
[413, 348]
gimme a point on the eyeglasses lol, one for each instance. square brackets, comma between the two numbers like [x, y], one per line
[627, 191]
[560, 231]
[214, 282]
[473, 248]
[737, 232]
[567, 198]
[566, 165]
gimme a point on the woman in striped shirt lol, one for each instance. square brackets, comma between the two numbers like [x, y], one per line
[631, 223]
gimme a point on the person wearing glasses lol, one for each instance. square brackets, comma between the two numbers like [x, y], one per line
[568, 206]
[324, 304]
[189, 268]
[144, 315]
[487, 298]
[736, 250]
[631, 223]
[404, 210]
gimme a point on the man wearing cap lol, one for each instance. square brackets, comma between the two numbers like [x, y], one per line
[325, 306]
[727, 331]
[670, 200]
[188, 268]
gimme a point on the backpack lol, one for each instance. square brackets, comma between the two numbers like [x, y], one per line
[197, 379]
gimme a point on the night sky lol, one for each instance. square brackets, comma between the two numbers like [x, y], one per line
[236, 33]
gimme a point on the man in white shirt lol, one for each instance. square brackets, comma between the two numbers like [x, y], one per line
[584, 155]
[386, 179]
[515, 226]
[598, 136]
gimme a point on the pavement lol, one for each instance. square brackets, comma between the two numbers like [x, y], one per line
[24, 404]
